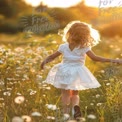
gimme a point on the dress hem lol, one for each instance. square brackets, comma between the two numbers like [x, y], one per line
[72, 88]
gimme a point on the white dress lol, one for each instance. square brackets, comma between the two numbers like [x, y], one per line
[71, 73]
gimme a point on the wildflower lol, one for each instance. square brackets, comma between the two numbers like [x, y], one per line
[19, 49]
[17, 119]
[19, 93]
[1, 62]
[45, 52]
[15, 82]
[32, 70]
[47, 67]
[50, 117]
[2, 83]
[17, 75]
[33, 92]
[102, 71]
[19, 68]
[11, 83]
[97, 95]
[99, 104]
[6, 93]
[25, 76]
[3, 104]
[54, 42]
[107, 84]
[29, 51]
[26, 118]
[111, 79]
[51, 107]
[39, 49]
[44, 85]
[54, 107]
[19, 99]
[38, 77]
[66, 116]
[9, 79]
[86, 107]
[91, 103]
[9, 89]
[83, 119]
[35, 114]
[71, 121]
[48, 88]
[91, 116]
[18, 62]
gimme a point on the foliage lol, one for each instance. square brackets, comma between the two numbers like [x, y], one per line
[12, 13]
[11, 8]
[108, 31]
[22, 86]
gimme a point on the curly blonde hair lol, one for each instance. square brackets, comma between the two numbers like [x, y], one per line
[81, 33]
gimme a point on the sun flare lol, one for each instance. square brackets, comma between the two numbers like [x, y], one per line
[61, 3]
[67, 3]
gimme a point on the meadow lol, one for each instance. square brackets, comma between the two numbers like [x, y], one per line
[25, 97]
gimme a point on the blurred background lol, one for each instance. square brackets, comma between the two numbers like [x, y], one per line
[29, 32]
[42, 17]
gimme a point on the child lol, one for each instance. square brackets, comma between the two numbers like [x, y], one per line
[71, 75]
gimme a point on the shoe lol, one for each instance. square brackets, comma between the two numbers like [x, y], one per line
[77, 112]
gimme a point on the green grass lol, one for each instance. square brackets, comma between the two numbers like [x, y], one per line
[20, 75]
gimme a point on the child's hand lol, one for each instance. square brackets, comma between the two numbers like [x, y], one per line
[42, 65]
[118, 61]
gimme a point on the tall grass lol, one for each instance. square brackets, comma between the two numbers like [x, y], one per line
[24, 96]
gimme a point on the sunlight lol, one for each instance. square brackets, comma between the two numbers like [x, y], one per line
[61, 3]
[56, 3]
[67, 3]
[94, 3]
[33, 2]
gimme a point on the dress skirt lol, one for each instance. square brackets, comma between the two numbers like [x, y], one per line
[71, 76]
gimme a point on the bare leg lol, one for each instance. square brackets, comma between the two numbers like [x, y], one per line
[65, 98]
[75, 98]
[75, 101]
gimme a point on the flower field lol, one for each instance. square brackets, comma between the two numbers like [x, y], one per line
[25, 97]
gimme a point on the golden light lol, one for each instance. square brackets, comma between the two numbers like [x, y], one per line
[61, 3]
[94, 3]
[68, 3]
[33, 2]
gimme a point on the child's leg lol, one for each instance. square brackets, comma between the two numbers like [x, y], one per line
[75, 98]
[65, 98]
[75, 104]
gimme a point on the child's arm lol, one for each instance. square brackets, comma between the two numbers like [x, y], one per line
[94, 57]
[50, 58]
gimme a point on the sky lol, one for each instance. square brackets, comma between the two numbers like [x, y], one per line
[61, 3]
[68, 3]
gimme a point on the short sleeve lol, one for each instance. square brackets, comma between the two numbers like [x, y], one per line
[61, 48]
[87, 49]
